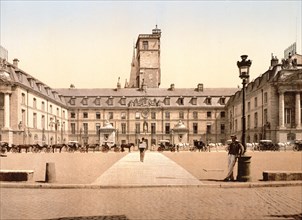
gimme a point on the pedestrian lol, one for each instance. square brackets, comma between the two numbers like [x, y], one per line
[142, 148]
[235, 150]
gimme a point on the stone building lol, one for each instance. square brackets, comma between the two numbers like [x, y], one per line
[273, 103]
[32, 112]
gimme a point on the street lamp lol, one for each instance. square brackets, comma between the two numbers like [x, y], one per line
[244, 67]
[244, 161]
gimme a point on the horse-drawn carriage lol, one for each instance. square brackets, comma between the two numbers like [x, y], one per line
[298, 145]
[198, 145]
[108, 145]
[165, 145]
[4, 147]
[268, 145]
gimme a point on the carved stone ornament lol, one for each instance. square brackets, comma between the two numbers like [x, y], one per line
[289, 63]
[143, 102]
[145, 113]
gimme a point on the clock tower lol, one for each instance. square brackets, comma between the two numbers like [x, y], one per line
[146, 64]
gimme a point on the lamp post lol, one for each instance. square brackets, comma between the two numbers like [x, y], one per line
[244, 67]
[244, 161]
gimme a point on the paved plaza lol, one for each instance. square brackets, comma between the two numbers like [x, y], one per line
[180, 185]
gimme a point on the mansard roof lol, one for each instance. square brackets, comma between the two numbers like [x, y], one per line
[134, 92]
[27, 81]
[152, 97]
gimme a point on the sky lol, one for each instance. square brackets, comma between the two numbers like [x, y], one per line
[90, 43]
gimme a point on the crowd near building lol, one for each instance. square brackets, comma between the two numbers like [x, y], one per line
[32, 112]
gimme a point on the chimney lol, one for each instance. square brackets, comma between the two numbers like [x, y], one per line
[15, 62]
[200, 87]
[172, 87]
[118, 85]
[274, 61]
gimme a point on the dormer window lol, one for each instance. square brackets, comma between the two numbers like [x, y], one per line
[85, 101]
[194, 101]
[208, 100]
[72, 101]
[98, 101]
[123, 100]
[32, 83]
[20, 76]
[222, 100]
[39, 86]
[110, 100]
[47, 90]
[167, 100]
[181, 101]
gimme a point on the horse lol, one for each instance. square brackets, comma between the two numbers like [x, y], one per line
[129, 145]
[199, 145]
[27, 147]
[182, 145]
[58, 146]
[38, 148]
[72, 147]
[93, 146]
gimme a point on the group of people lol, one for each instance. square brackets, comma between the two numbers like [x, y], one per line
[235, 150]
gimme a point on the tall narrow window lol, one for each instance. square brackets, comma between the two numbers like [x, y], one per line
[97, 128]
[137, 128]
[72, 126]
[43, 106]
[265, 115]
[256, 120]
[123, 128]
[288, 115]
[23, 99]
[209, 129]
[145, 45]
[195, 128]
[153, 128]
[43, 122]
[85, 126]
[34, 120]
[34, 103]
[265, 98]
[222, 128]
[167, 128]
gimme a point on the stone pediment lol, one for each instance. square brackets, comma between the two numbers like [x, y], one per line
[289, 77]
[143, 102]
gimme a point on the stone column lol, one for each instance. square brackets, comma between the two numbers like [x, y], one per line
[281, 109]
[6, 111]
[298, 110]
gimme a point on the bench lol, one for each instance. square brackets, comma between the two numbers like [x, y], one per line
[282, 175]
[16, 175]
